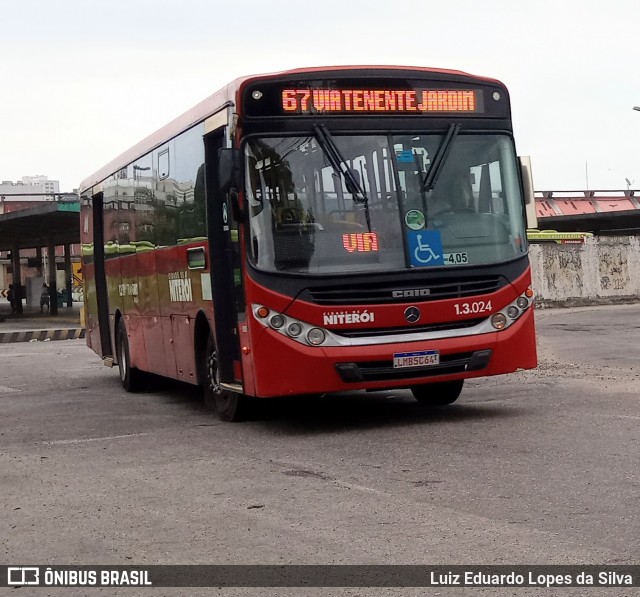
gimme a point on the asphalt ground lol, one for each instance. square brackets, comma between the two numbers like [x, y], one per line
[537, 467]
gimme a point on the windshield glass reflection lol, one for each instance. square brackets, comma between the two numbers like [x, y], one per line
[359, 203]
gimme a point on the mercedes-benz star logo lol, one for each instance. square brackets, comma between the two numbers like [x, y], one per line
[412, 314]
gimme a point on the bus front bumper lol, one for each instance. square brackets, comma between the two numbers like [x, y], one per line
[282, 367]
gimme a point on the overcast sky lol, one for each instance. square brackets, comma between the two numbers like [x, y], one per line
[83, 80]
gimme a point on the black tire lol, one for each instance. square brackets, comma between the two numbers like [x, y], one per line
[438, 394]
[227, 405]
[132, 379]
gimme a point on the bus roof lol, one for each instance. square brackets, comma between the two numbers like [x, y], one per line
[227, 95]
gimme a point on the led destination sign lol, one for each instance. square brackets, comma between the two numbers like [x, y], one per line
[393, 101]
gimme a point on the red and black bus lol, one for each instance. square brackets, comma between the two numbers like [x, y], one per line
[315, 231]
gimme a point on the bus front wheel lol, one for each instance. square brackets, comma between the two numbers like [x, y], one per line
[132, 379]
[228, 406]
[438, 394]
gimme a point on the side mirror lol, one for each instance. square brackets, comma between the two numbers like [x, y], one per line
[229, 170]
[529, 196]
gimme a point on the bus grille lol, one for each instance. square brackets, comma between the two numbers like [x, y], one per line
[382, 292]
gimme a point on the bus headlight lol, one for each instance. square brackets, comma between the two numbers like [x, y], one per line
[316, 336]
[308, 334]
[294, 329]
[277, 321]
[499, 321]
[513, 312]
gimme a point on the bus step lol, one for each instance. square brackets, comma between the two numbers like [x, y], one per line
[232, 387]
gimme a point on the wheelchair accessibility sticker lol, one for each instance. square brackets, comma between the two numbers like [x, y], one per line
[425, 248]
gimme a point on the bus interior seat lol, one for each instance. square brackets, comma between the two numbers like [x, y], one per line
[289, 215]
[344, 221]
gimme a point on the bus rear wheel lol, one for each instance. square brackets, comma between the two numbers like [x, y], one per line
[227, 405]
[439, 393]
[132, 379]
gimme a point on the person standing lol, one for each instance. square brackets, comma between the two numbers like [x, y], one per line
[11, 297]
[44, 297]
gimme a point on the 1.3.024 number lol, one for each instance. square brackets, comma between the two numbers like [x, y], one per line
[472, 308]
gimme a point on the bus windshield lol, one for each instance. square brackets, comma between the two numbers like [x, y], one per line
[327, 204]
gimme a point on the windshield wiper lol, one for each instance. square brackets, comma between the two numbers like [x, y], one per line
[431, 177]
[339, 164]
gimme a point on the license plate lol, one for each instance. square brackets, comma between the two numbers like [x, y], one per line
[422, 358]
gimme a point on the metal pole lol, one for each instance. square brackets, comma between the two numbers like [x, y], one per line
[68, 273]
[39, 260]
[586, 173]
[53, 284]
[17, 282]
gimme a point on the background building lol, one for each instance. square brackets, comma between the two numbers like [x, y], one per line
[28, 193]
[21, 194]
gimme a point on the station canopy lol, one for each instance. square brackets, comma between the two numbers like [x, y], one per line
[57, 223]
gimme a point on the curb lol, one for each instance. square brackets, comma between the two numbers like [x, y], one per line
[42, 335]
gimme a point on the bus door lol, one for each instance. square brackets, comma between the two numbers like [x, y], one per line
[100, 278]
[226, 278]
